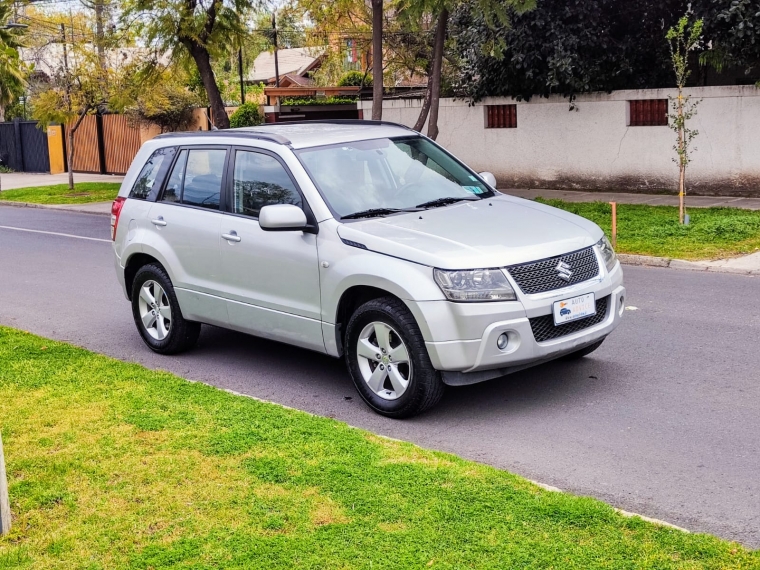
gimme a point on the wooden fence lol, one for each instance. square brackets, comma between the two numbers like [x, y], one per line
[105, 144]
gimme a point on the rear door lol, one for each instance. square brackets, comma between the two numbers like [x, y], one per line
[271, 279]
[185, 222]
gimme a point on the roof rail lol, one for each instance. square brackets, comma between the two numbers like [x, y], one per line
[239, 133]
[338, 122]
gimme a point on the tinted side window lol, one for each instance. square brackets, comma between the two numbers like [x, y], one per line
[203, 178]
[260, 180]
[151, 173]
[173, 190]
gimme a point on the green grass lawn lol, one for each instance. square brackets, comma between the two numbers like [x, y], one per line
[654, 230]
[84, 193]
[112, 465]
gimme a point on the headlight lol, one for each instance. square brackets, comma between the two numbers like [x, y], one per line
[608, 254]
[474, 285]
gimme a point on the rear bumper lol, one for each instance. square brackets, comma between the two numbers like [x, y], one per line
[471, 360]
[120, 274]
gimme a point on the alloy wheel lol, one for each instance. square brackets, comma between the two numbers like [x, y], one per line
[384, 360]
[155, 310]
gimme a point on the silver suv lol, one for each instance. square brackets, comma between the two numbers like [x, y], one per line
[362, 240]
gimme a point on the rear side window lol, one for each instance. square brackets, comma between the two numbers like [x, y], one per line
[260, 180]
[203, 178]
[152, 173]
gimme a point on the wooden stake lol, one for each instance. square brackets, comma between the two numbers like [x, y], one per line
[614, 224]
[5, 505]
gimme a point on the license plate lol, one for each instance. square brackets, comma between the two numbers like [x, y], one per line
[573, 309]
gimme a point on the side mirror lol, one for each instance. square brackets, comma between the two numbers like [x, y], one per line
[282, 218]
[489, 179]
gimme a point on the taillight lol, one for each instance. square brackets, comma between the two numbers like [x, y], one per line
[115, 213]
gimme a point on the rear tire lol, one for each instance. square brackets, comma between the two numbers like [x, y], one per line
[388, 361]
[157, 314]
[584, 351]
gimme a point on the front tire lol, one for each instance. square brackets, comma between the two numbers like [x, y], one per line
[157, 314]
[388, 362]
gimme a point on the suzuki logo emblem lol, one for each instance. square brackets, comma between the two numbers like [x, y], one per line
[563, 271]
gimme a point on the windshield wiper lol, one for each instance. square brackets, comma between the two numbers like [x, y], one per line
[445, 201]
[372, 212]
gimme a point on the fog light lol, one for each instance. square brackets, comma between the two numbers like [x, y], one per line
[622, 306]
[502, 341]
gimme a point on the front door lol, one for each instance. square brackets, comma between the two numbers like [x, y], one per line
[271, 279]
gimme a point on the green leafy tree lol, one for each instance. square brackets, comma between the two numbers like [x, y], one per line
[565, 49]
[494, 12]
[80, 88]
[683, 38]
[732, 32]
[83, 78]
[163, 99]
[197, 29]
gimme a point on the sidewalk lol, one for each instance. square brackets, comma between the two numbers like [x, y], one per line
[15, 180]
[744, 265]
[629, 198]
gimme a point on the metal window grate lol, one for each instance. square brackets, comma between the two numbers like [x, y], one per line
[648, 113]
[541, 276]
[544, 328]
[501, 116]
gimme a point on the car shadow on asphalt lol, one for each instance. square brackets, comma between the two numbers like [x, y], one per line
[246, 363]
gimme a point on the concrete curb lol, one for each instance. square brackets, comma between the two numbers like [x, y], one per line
[648, 261]
[57, 207]
[628, 514]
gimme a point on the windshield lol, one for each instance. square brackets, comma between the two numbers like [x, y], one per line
[389, 174]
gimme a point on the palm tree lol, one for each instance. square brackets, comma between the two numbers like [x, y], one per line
[11, 68]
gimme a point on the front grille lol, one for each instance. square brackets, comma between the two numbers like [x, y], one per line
[541, 276]
[545, 329]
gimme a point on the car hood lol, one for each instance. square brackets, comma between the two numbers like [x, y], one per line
[494, 232]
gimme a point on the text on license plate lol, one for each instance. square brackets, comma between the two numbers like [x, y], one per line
[575, 308]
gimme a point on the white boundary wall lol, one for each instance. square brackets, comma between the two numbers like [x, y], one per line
[594, 148]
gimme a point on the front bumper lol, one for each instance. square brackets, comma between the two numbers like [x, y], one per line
[461, 337]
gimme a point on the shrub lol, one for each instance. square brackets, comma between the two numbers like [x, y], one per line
[354, 79]
[306, 101]
[247, 115]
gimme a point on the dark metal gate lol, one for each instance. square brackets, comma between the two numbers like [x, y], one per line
[24, 147]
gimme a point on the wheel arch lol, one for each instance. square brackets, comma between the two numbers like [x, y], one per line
[133, 265]
[354, 297]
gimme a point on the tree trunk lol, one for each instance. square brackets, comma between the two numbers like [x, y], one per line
[100, 32]
[681, 159]
[203, 61]
[70, 158]
[377, 60]
[70, 145]
[435, 79]
[425, 107]
[2, 113]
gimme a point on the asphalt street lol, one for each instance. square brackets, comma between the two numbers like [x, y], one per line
[663, 420]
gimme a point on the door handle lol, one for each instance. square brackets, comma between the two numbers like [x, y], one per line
[159, 221]
[232, 236]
